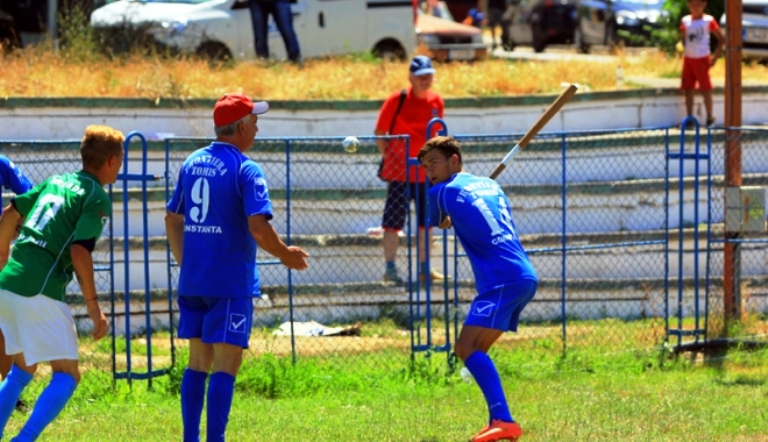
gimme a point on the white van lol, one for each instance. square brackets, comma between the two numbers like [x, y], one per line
[223, 27]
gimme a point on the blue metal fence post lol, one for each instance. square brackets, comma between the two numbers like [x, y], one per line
[167, 174]
[126, 257]
[288, 242]
[564, 243]
[666, 234]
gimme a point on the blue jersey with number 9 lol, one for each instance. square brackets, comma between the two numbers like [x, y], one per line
[218, 189]
[482, 218]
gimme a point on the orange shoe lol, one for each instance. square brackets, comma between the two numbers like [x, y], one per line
[499, 430]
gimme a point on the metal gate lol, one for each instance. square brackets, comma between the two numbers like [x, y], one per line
[131, 298]
[687, 309]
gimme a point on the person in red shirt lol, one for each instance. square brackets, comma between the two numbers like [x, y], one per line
[696, 29]
[407, 117]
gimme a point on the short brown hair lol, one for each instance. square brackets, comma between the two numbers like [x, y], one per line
[99, 143]
[448, 146]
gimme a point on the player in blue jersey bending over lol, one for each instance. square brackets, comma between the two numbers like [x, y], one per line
[219, 212]
[480, 213]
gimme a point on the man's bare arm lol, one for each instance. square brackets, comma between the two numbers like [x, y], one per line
[174, 228]
[266, 237]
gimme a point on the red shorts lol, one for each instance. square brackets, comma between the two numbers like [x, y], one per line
[696, 70]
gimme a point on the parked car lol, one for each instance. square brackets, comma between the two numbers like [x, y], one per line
[607, 22]
[447, 40]
[539, 23]
[754, 33]
[223, 29]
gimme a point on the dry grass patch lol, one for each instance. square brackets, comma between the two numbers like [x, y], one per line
[36, 72]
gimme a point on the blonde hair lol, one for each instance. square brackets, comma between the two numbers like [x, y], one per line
[99, 143]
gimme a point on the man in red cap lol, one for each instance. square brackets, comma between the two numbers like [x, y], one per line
[218, 215]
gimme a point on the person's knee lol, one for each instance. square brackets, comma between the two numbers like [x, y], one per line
[465, 348]
[227, 358]
[68, 367]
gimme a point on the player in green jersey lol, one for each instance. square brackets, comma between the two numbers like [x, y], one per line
[62, 219]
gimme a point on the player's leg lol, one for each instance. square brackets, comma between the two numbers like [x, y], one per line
[393, 222]
[66, 376]
[228, 328]
[192, 310]
[18, 378]
[492, 313]
[472, 348]
[46, 333]
[5, 360]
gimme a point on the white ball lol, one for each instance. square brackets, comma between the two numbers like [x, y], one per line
[350, 144]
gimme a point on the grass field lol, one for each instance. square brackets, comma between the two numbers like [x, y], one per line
[78, 72]
[614, 389]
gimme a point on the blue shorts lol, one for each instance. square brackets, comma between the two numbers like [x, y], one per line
[399, 196]
[216, 320]
[499, 308]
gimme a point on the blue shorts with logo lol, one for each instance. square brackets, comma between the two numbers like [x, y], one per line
[499, 308]
[216, 320]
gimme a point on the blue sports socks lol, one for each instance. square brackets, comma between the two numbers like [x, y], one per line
[487, 378]
[50, 403]
[10, 390]
[220, 392]
[192, 399]
[390, 266]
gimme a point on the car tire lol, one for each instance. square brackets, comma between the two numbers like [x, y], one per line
[389, 50]
[214, 51]
[539, 39]
[578, 40]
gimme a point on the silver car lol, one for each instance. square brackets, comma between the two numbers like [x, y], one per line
[754, 34]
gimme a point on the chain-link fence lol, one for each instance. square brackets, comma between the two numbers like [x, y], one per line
[744, 298]
[598, 213]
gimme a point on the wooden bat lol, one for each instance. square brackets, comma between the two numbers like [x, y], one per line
[540, 123]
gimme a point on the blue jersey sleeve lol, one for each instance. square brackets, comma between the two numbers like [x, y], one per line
[255, 191]
[13, 178]
[437, 212]
[176, 204]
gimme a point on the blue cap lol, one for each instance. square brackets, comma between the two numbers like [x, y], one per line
[421, 65]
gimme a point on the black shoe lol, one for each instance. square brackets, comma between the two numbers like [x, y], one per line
[711, 120]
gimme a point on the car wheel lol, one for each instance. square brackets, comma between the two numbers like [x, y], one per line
[578, 40]
[214, 51]
[389, 50]
[539, 39]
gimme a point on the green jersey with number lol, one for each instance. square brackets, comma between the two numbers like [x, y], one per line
[59, 211]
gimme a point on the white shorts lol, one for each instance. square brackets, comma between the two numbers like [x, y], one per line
[39, 327]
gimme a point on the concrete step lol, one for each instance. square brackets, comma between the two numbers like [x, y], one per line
[591, 207]
[347, 303]
[356, 259]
